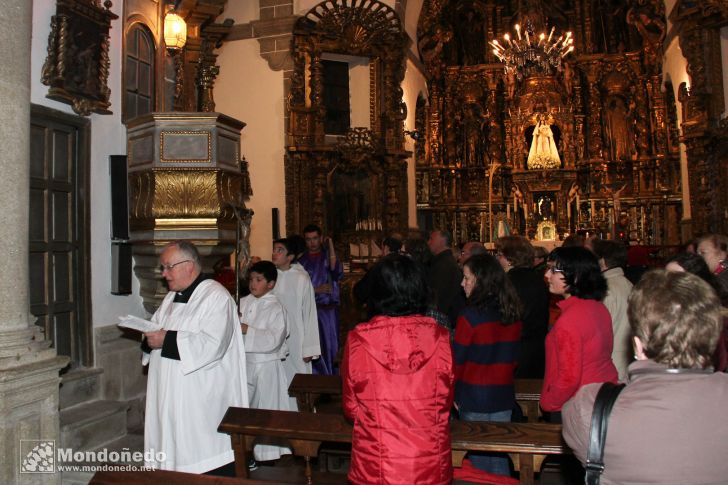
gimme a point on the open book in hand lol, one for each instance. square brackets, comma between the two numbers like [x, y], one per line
[136, 323]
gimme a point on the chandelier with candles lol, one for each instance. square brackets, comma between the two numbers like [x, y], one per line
[530, 54]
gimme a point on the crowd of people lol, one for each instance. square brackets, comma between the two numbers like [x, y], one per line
[448, 333]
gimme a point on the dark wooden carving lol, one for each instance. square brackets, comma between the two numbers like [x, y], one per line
[316, 164]
[705, 135]
[76, 69]
[195, 64]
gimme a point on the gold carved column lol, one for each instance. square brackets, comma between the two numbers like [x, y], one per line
[185, 177]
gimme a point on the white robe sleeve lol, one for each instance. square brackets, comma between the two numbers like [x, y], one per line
[267, 331]
[146, 357]
[198, 349]
[311, 341]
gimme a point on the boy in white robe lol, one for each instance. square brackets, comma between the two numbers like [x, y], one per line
[295, 292]
[263, 323]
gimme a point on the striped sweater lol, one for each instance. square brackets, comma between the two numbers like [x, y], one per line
[486, 353]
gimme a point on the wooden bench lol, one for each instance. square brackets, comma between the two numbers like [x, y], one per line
[164, 477]
[307, 388]
[528, 444]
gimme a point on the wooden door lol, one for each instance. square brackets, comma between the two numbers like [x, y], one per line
[58, 232]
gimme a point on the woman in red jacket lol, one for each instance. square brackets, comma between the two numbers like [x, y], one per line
[397, 375]
[579, 346]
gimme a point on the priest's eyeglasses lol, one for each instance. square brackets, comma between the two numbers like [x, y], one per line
[554, 269]
[170, 267]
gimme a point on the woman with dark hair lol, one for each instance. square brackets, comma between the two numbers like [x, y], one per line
[695, 264]
[487, 337]
[515, 255]
[579, 346]
[397, 377]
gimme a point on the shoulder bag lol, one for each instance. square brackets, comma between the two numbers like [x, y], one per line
[603, 404]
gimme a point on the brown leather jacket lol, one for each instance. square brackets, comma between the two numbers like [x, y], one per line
[664, 428]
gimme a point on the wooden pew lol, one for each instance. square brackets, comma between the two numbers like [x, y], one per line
[306, 388]
[164, 477]
[527, 444]
[528, 395]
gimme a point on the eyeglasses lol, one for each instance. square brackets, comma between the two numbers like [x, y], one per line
[554, 270]
[170, 267]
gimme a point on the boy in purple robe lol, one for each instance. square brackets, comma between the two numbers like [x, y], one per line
[325, 271]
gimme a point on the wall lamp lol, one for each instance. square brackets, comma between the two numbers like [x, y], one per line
[175, 30]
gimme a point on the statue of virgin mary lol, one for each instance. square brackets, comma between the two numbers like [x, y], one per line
[543, 154]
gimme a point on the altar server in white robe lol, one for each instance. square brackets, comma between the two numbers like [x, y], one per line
[196, 369]
[295, 292]
[263, 323]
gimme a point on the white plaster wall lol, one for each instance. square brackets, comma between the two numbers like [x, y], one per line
[669, 5]
[247, 89]
[674, 68]
[413, 84]
[411, 18]
[107, 138]
[359, 92]
[241, 10]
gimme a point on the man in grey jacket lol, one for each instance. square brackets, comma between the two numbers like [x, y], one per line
[612, 258]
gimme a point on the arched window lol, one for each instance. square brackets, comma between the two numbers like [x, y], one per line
[138, 72]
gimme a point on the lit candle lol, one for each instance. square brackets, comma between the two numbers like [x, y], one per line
[518, 31]
[551, 34]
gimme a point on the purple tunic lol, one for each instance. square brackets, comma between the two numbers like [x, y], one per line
[327, 307]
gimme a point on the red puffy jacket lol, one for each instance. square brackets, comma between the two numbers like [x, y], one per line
[398, 376]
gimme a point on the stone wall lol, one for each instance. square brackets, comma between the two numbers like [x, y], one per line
[124, 378]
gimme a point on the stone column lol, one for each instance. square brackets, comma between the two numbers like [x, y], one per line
[28, 366]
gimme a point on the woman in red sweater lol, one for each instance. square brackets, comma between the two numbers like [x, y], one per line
[579, 346]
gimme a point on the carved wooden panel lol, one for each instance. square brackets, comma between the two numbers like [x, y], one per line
[369, 162]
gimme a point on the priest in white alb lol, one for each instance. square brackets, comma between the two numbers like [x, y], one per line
[196, 369]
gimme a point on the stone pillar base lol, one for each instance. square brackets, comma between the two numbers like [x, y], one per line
[29, 407]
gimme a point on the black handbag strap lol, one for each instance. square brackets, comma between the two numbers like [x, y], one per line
[603, 404]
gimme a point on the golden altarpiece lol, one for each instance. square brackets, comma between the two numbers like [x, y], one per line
[615, 168]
